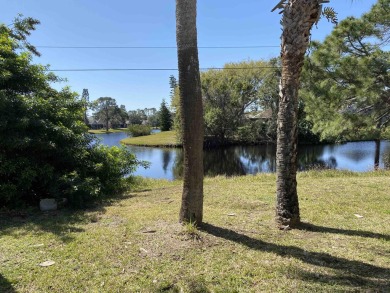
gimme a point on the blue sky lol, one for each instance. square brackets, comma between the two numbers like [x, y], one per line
[150, 23]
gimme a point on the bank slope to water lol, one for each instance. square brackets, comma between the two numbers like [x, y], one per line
[136, 245]
[103, 131]
[161, 139]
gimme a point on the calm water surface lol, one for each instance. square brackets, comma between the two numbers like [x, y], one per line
[242, 160]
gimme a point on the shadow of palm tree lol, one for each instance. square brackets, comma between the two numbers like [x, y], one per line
[5, 285]
[321, 229]
[352, 272]
[61, 223]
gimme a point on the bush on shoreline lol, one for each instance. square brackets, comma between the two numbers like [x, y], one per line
[138, 130]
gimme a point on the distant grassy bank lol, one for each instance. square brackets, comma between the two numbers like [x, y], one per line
[135, 244]
[103, 131]
[161, 139]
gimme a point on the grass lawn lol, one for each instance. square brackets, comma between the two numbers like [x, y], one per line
[161, 139]
[103, 130]
[135, 244]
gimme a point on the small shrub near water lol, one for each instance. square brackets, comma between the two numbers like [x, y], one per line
[139, 130]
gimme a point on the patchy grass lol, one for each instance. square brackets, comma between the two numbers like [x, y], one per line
[103, 130]
[161, 139]
[136, 244]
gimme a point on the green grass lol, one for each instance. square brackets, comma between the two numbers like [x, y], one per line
[103, 130]
[136, 245]
[161, 139]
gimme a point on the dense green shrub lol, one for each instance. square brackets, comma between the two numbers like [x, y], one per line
[138, 130]
[253, 132]
[44, 148]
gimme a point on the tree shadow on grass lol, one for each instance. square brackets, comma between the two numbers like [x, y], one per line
[349, 272]
[5, 285]
[61, 223]
[66, 221]
[321, 229]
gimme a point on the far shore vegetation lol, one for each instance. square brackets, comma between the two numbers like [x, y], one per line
[161, 139]
[104, 131]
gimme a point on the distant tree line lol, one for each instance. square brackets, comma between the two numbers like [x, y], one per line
[240, 105]
[107, 114]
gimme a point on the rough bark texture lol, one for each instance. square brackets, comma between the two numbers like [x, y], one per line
[298, 19]
[191, 111]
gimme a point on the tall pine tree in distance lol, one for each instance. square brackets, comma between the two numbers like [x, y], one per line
[85, 99]
[165, 117]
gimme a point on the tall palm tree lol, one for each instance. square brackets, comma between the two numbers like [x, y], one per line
[191, 111]
[297, 21]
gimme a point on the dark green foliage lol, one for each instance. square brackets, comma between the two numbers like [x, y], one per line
[173, 84]
[19, 31]
[305, 127]
[346, 79]
[242, 105]
[136, 117]
[154, 119]
[138, 130]
[106, 110]
[44, 148]
[165, 117]
[228, 95]
[330, 14]
[85, 99]
[101, 174]
[121, 117]
[253, 132]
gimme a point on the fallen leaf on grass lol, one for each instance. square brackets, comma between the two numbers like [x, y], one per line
[47, 263]
[358, 216]
[231, 215]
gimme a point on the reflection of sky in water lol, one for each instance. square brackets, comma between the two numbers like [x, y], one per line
[158, 168]
[238, 160]
[153, 155]
[257, 159]
[111, 139]
[356, 156]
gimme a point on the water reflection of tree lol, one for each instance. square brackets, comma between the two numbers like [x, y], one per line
[225, 161]
[166, 159]
[386, 158]
[241, 160]
[310, 157]
[259, 158]
[357, 153]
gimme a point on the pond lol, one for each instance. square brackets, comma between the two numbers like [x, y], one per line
[243, 160]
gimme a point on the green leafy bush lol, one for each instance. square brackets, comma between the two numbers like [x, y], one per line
[44, 148]
[138, 130]
[253, 132]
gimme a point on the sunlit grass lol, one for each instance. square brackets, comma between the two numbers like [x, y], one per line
[136, 244]
[161, 139]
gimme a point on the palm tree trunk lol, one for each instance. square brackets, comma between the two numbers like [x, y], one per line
[191, 112]
[298, 19]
